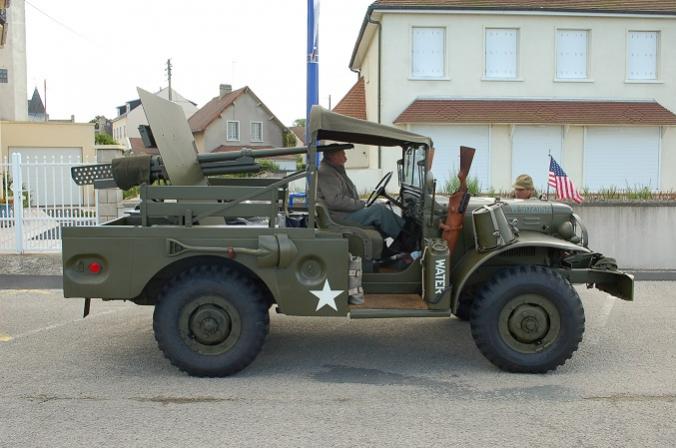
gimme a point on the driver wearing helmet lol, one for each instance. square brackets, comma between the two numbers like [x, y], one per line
[341, 197]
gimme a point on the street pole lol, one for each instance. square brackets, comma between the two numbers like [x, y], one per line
[169, 77]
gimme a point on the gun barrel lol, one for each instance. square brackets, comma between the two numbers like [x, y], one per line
[269, 152]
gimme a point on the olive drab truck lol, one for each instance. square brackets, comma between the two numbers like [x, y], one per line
[214, 253]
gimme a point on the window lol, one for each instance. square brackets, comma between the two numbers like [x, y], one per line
[501, 53]
[642, 48]
[233, 131]
[4, 79]
[572, 49]
[428, 49]
[256, 131]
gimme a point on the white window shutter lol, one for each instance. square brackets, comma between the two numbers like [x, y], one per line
[642, 48]
[501, 53]
[428, 52]
[571, 57]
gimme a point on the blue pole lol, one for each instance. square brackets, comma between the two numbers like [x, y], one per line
[312, 65]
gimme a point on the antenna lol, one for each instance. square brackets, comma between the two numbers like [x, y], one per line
[168, 70]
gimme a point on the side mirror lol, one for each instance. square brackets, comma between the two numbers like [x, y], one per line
[400, 170]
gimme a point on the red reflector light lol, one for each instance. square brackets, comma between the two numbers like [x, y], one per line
[94, 267]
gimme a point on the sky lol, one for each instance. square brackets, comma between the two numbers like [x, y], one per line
[94, 53]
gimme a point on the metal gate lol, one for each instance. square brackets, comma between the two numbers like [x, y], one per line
[38, 198]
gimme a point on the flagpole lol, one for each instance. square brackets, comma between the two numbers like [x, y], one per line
[550, 165]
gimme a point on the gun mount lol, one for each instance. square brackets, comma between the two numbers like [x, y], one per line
[128, 172]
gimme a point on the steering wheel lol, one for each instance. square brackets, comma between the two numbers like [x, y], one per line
[379, 190]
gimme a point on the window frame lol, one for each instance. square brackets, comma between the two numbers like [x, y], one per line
[588, 77]
[251, 133]
[227, 131]
[658, 57]
[517, 63]
[4, 79]
[444, 75]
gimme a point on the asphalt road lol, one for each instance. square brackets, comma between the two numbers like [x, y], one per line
[102, 381]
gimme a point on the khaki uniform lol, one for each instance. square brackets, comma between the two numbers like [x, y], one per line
[341, 197]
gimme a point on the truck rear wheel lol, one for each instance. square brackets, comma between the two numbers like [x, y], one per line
[527, 319]
[210, 321]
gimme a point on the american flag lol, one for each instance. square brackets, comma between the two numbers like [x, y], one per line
[559, 180]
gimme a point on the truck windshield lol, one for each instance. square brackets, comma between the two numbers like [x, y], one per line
[414, 166]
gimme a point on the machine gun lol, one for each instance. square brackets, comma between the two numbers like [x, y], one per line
[127, 172]
[457, 203]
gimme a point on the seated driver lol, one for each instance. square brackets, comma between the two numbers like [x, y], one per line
[341, 197]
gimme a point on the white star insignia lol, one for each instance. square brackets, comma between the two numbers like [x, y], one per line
[326, 296]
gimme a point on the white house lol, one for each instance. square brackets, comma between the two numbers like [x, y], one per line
[593, 83]
[131, 115]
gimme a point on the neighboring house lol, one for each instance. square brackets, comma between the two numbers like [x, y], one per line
[591, 82]
[298, 134]
[13, 85]
[36, 108]
[47, 150]
[102, 125]
[131, 115]
[238, 119]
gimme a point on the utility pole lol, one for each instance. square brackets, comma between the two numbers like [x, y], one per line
[168, 70]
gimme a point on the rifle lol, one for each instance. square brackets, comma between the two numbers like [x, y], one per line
[457, 203]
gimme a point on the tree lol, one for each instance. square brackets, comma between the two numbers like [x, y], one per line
[299, 122]
[104, 139]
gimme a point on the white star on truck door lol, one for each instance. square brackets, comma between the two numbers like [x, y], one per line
[326, 296]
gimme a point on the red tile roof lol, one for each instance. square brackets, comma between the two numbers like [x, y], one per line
[138, 148]
[211, 111]
[537, 112]
[353, 103]
[617, 6]
[299, 132]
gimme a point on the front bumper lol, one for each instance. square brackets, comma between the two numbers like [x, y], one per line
[615, 283]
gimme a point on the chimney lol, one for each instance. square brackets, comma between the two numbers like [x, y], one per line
[225, 89]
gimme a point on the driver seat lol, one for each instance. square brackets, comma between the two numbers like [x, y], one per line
[363, 242]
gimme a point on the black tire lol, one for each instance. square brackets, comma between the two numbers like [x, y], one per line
[527, 319]
[210, 321]
[465, 305]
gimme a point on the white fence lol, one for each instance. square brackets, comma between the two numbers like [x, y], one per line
[37, 199]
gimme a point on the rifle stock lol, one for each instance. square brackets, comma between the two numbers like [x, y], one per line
[457, 203]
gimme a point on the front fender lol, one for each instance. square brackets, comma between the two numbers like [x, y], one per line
[473, 260]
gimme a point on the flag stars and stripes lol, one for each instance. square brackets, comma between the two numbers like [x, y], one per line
[565, 189]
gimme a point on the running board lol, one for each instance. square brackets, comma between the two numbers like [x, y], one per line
[362, 313]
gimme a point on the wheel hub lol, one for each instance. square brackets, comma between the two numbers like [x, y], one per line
[210, 324]
[528, 323]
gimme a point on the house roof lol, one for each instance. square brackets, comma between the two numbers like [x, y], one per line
[596, 6]
[646, 113]
[353, 103]
[299, 132]
[201, 119]
[35, 105]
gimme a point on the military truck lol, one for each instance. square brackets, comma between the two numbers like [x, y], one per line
[213, 280]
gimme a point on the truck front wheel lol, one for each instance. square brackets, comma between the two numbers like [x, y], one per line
[527, 319]
[210, 321]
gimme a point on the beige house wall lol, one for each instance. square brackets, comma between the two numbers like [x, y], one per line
[245, 110]
[465, 59]
[47, 135]
[668, 159]
[501, 156]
